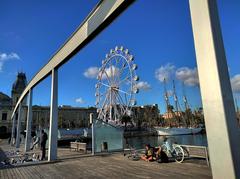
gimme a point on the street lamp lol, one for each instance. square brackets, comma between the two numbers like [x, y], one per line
[92, 124]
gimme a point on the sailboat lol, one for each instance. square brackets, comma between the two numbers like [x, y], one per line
[161, 131]
[179, 118]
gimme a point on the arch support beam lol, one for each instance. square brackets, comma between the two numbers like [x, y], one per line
[13, 138]
[29, 122]
[53, 130]
[223, 133]
[19, 125]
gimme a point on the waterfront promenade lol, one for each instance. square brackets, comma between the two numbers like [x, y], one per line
[73, 164]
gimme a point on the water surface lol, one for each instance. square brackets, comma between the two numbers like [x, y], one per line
[139, 142]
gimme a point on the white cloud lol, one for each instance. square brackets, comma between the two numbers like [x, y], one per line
[165, 72]
[188, 76]
[143, 85]
[5, 57]
[91, 72]
[235, 82]
[79, 100]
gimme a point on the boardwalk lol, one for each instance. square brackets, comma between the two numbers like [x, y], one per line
[111, 166]
[76, 165]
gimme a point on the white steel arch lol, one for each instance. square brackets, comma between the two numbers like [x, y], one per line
[101, 16]
[219, 108]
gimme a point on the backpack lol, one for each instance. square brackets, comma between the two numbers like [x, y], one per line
[163, 158]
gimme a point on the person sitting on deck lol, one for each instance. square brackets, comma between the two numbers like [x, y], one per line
[148, 156]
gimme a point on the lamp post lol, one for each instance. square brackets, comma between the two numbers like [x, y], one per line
[92, 124]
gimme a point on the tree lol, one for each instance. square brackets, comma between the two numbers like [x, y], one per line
[125, 119]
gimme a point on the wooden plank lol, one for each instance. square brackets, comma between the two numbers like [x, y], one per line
[110, 166]
[1, 173]
[18, 173]
[5, 174]
[32, 172]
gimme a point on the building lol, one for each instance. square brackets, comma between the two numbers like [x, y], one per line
[7, 103]
[173, 114]
[69, 117]
[5, 112]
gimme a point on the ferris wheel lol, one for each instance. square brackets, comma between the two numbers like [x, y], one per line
[116, 86]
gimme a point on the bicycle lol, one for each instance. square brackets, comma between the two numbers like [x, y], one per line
[175, 151]
[133, 155]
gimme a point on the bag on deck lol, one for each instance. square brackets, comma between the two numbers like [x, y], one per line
[163, 158]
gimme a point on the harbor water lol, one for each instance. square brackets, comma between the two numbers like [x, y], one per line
[140, 142]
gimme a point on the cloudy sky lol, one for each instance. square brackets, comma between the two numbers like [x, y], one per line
[157, 33]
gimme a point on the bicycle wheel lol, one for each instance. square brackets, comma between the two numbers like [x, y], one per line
[134, 157]
[186, 152]
[179, 154]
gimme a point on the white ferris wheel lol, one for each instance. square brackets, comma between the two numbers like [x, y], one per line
[116, 86]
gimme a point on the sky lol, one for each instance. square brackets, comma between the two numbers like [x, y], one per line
[158, 34]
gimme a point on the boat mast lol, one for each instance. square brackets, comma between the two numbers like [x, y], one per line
[188, 116]
[185, 99]
[168, 107]
[178, 111]
[236, 103]
[175, 97]
[166, 95]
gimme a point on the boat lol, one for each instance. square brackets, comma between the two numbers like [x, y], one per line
[167, 131]
[178, 117]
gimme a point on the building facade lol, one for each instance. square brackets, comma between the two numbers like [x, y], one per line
[7, 103]
[69, 117]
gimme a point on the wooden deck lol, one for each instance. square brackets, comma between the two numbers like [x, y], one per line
[77, 165]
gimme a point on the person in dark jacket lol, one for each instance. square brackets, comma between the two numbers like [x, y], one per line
[43, 142]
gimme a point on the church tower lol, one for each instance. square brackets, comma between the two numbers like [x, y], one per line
[18, 87]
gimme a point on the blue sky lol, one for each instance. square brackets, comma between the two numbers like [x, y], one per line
[157, 33]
